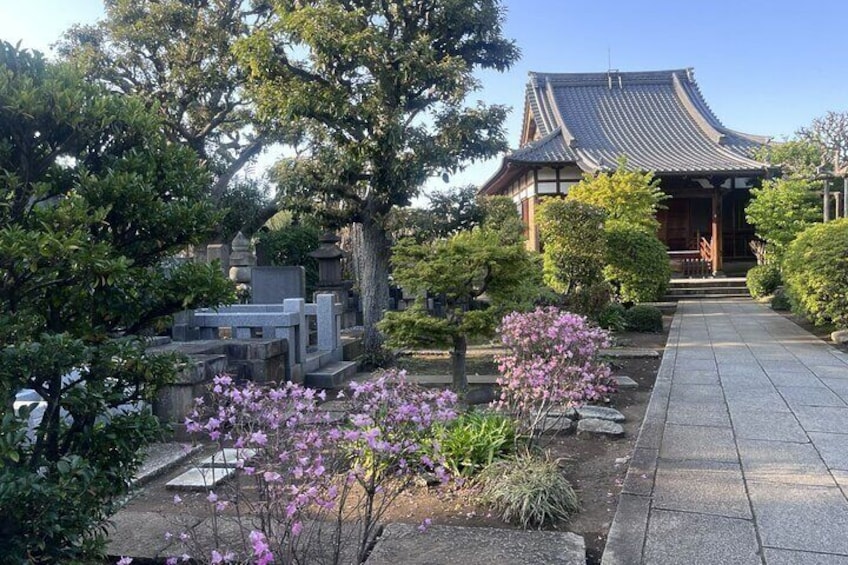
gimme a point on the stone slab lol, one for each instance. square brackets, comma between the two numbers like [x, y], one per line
[706, 487]
[594, 426]
[640, 474]
[682, 538]
[226, 457]
[754, 400]
[772, 426]
[160, 458]
[782, 463]
[448, 545]
[786, 557]
[804, 518]
[810, 396]
[693, 377]
[627, 533]
[783, 378]
[697, 414]
[200, 479]
[833, 448]
[629, 353]
[624, 382]
[823, 418]
[599, 413]
[698, 443]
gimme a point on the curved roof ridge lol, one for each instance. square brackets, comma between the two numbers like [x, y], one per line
[590, 79]
[535, 144]
[696, 113]
[568, 137]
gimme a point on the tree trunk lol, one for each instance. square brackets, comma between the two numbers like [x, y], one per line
[373, 250]
[460, 347]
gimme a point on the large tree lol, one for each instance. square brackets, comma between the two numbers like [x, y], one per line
[378, 90]
[93, 203]
[177, 55]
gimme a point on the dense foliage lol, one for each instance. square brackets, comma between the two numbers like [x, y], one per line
[573, 242]
[378, 91]
[301, 474]
[550, 363]
[783, 208]
[643, 318]
[815, 273]
[93, 203]
[291, 244]
[459, 271]
[474, 441]
[627, 196]
[763, 280]
[637, 264]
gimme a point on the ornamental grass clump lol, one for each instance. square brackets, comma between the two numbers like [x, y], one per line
[301, 475]
[551, 364]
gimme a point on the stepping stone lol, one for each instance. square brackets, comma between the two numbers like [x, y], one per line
[625, 382]
[446, 545]
[629, 353]
[600, 413]
[200, 479]
[593, 426]
[559, 425]
[227, 457]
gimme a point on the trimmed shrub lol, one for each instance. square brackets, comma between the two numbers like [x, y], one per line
[637, 264]
[641, 318]
[573, 247]
[783, 208]
[780, 301]
[588, 301]
[474, 440]
[529, 491]
[763, 280]
[612, 317]
[815, 272]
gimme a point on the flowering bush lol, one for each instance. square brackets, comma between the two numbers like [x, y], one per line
[300, 471]
[551, 363]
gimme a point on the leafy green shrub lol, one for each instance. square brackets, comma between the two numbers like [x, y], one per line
[612, 317]
[783, 208]
[291, 245]
[780, 301]
[573, 247]
[528, 490]
[636, 263]
[588, 301]
[642, 318]
[762, 280]
[474, 440]
[815, 272]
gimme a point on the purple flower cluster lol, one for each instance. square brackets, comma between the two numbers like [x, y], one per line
[551, 363]
[303, 464]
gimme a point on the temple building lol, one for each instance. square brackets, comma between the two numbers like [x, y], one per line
[584, 122]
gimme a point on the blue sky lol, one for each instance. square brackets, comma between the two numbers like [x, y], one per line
[765, 67]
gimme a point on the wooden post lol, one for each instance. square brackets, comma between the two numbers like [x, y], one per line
[845, 197]
[715, 241]
[826, 201]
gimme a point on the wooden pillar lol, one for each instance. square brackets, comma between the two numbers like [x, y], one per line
[715, 240]
[845, 197]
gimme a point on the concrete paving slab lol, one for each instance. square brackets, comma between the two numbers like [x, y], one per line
[823, 418]
[836, 371]
[626, 537]
[746, 382]
[629, 353]
[695, 365]
[786, 557]
[448, 545]
[810, 396]
[833, 449]
[693, 377]
[705, 487]
[160, 458]
[682, 538]
[697, 414]
[786, 378]
[782, 463]
[755, 400]
[200, 479]
[772, 426]
[698, 394]
[698, 443]
[227, 457]
[838, 386]
[750, 370]
[805, 518]
[640, 474]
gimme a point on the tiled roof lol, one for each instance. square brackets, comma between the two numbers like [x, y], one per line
[659, 120]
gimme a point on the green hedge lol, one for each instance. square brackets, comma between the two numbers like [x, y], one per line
[763, 280]
[815, 273]
[642, 318]
[637, 264]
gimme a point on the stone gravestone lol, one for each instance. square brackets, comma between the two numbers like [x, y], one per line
[272, 285]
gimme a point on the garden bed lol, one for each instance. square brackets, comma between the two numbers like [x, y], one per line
[595, 466]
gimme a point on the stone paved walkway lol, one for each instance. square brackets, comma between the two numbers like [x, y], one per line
[743, 454]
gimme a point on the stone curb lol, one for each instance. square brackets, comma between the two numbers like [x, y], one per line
[626, 539]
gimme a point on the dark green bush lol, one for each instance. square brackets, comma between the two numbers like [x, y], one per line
[588, 301]
[637, 264]
[780, 301]
[762, 280]
[528, 490]
[474, 440]
[815, 273]
[642, 318]
[612, 317]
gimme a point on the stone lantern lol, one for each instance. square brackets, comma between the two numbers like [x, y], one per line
[329, 257]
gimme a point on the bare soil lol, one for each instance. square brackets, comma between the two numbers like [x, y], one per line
[595, 466]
